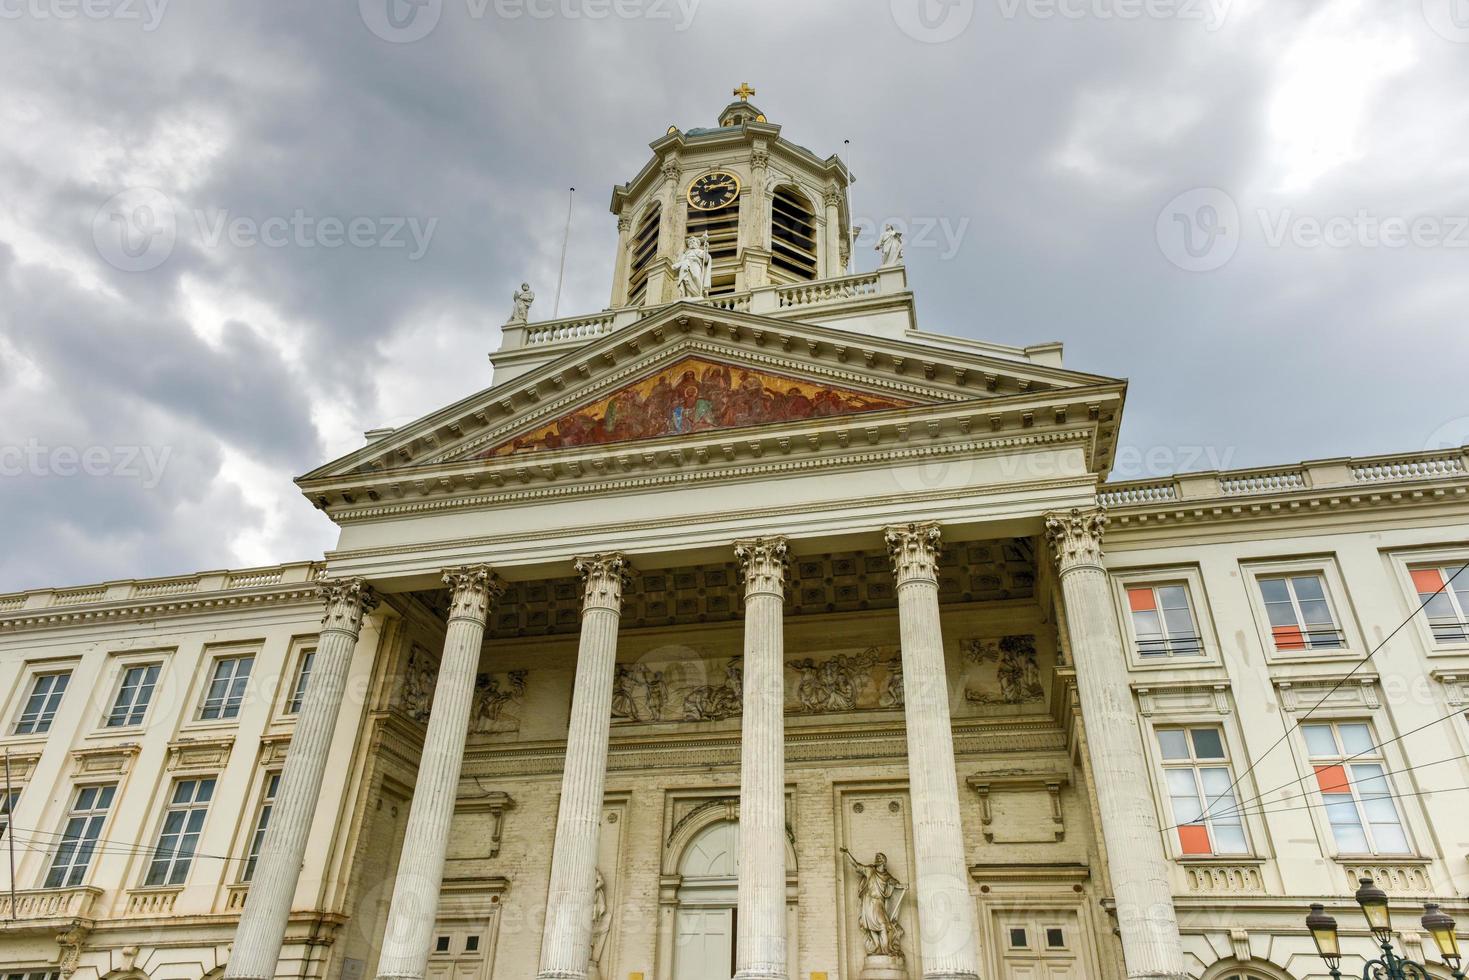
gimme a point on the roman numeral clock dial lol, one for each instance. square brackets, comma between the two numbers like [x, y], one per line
[714, 191]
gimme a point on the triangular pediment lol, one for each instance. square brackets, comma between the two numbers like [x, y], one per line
[692, 383]
[693, 394]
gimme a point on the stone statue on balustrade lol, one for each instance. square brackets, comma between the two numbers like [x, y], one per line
[523, 298]
[694, 269]
[880, 901]
[891, 247]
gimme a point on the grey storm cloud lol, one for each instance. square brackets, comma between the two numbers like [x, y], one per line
[1032, 148]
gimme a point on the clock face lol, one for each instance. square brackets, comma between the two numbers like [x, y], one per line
[714, 191]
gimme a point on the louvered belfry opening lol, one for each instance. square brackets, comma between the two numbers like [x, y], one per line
[723, 228]
[644, 248]
[792, 236]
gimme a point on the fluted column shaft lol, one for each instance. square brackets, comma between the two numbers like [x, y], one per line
[567, 942]
[760, 944]
[1145, 915]
[946, 933]
[262, 927]
[415, 903]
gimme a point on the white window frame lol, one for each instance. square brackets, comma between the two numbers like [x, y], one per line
[1192, 765]
[28, 688]
[1378, 757]
[89, 815]
[1192, 580]
[123, 670]
[7, 807]
[305, 669]
[214, 663]
[189, 808]
[1404, 563]
[264, 811]
[1337, 599]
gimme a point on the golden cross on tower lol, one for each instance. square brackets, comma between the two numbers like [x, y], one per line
[744, 91]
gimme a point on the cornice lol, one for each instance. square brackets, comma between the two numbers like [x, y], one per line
[678, 463]
[1325, 502]
[303, 593]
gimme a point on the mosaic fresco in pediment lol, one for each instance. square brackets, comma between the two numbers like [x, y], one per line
[696, 395]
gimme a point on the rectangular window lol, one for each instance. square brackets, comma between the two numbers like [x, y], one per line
[1163, 621]
[134, 696]
[7, 804]
[41, 704]
[1300, 614]
[1445, 590]
[272, 783]
[79, 836]
[303, 676]
[32, 975]
[227, 687]
[179, 837]
[1352, 777]
[1197, 772]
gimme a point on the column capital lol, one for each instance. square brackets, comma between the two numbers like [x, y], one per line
[347, 600]
[915, 550]
[603, 579]
[763, 564]
[1075, 537]
[472, 588]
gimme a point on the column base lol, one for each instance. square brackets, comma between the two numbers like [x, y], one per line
[563, 975]
[950, 976]
[760, 975]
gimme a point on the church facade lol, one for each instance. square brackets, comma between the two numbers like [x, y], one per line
[747, 628]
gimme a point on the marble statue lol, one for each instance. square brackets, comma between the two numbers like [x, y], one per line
[891, 246]
[601, 926]
[881, 897]
[694, 269]
[523, 299]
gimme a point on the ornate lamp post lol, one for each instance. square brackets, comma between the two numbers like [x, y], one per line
[1389, 966]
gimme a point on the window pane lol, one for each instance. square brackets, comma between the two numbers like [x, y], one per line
[1281, 614]
[1229, 839]
[1350, 839]
[1320, 741]
[1356, 739]
[1216, 781]
[1180, 782]
[1273, 590]
[1145, 623]
[1389, 838]
[1207, 743]
[1308, 587]
[1180, 622]
[1173, 743]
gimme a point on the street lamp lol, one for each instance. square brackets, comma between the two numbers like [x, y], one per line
[1388, 966]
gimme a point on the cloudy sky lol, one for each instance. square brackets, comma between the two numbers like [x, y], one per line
[1252, 209]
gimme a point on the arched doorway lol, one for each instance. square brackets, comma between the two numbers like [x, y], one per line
[704, 929]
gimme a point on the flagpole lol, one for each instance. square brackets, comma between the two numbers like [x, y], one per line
[565, 238]
[852, 214]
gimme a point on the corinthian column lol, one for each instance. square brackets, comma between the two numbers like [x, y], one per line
[567, 942]
[946, 938]
[262, 926]
[421, 867]
[1150, 943]
[760, 950]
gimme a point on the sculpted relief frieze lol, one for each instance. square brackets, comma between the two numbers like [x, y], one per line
[1003, 671]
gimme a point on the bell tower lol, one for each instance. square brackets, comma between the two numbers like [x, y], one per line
[772, 211]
